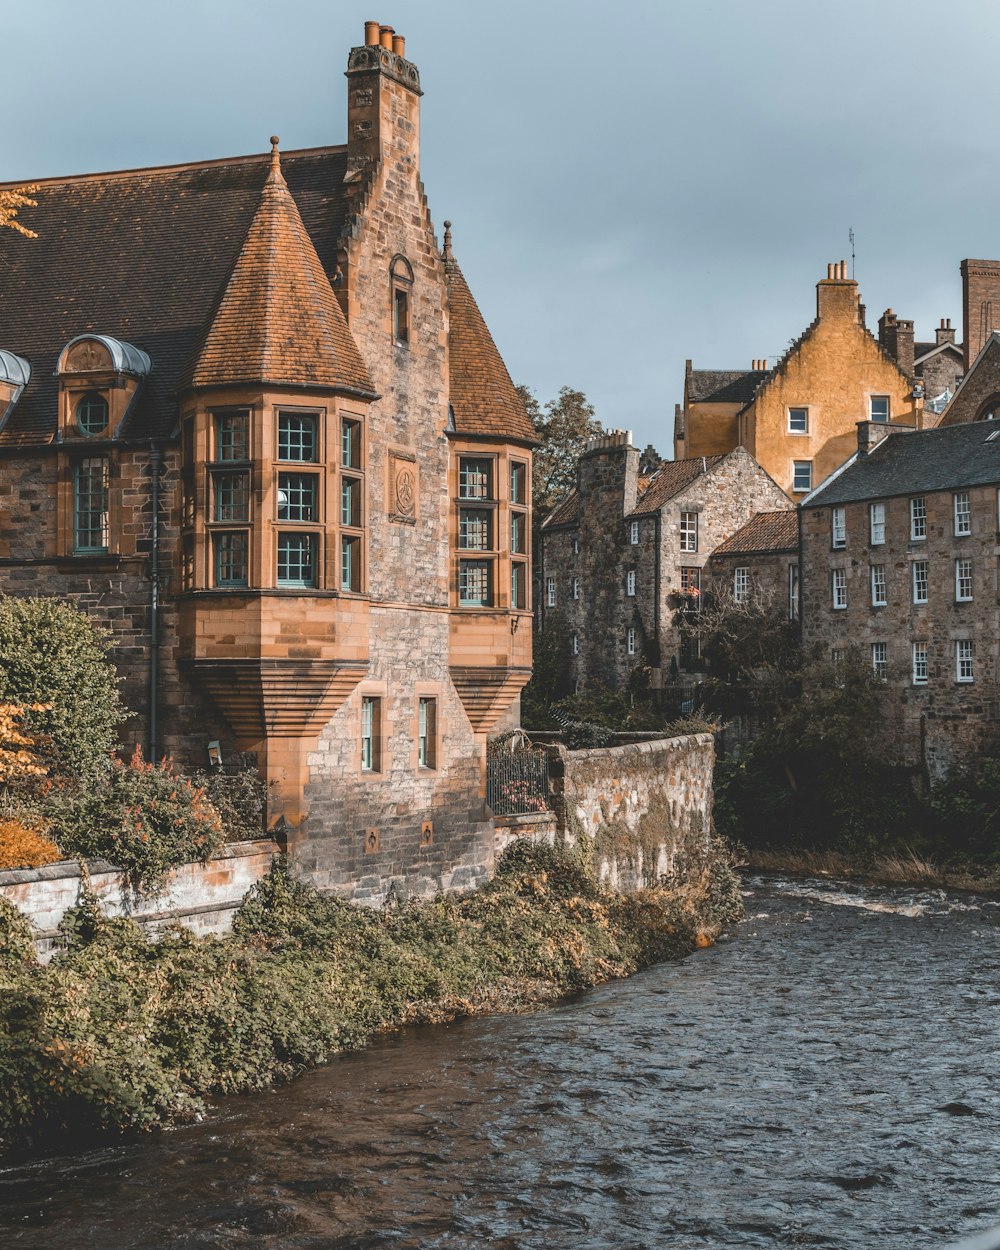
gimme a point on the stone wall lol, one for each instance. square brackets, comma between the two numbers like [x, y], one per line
[644, 810]
[201, 897]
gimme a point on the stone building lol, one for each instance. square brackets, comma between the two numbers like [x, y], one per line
[253, 421]
[624, 553]
[899, 559]
[761, 559]
[798, 418]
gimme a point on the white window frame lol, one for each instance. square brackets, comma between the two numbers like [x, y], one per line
[880, 660]
[574, 588]
[741, 584]
[838, 528]
[576, 546]
[961, 513]
[919, 583]
[630, 583]
[806, 467]
[805, 420]
[918, 519]
[689, 531]
[576, 644]
[918, 666]
[633, 533]
[965, 654]
[630, 640]
[871, 409]
[838, 586]
[876, 524]
[878, 586]
[550, 592]
[963, 579]
[793, 592]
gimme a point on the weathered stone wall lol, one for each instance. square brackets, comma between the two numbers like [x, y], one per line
[642, 811]
[535, 826]
[201, 897]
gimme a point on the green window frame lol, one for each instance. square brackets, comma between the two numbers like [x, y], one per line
[297, 440]
[297, 497]
[297, 561]
[231, 558]
[475, 583]
[90, 504]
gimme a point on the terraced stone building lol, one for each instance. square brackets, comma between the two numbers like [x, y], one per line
[251, 419]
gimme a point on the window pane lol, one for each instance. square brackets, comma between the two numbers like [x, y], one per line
[474, 525]
[838, 528]
[802, 471]
[232, 436]
[879, 408]
[232, 496]
[296, 437]
[798, 420]
[401, 315]
[518, 483]
[474, 582]
[426, 732]
[350, 563]
[297, 497]
[231, 563]
[350, 444]
[519, 584]
[90, 517]
[918, 518]
[350, 501]
[92, 414]
[296, 560]
[963, 513]
[371, 716]
[475, 478]
[689, 531]
[518, 532]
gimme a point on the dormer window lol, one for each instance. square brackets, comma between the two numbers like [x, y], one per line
[92, 415]
[401, 281]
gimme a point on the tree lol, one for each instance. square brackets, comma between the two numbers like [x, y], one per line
[564, 427]
[11, 201]
[50, 653]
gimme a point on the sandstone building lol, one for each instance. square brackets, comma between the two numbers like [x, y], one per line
[798, 418]
[252, 419]
[899, 558]
[625, 552]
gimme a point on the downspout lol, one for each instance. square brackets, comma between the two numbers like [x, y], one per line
[657, 562]
[155, 466]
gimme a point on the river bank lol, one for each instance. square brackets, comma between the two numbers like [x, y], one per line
[896, 868]
[119, 1033]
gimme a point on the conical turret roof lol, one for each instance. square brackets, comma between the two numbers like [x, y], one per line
[278, 320]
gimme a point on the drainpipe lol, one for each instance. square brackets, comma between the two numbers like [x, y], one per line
[155, 467]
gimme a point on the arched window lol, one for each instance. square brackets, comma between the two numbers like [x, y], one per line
[990, 410]
[401, 281]
[92, 414]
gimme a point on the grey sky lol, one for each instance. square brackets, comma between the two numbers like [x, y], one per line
[630, 183]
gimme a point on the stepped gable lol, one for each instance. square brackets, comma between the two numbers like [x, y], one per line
[670, 479]
[142, 255]
[483, 399]
[278, 320]
[763, 533]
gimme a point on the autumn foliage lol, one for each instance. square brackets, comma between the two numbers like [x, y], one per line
[25, 845]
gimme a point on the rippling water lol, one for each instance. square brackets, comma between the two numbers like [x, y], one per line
[827, 1076]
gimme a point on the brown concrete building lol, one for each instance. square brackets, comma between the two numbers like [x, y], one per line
[253, 421]
[625, 552]
[798, 418]
[899, 558]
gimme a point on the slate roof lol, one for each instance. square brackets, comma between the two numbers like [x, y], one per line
[723, 386]
[766, 532]
[483, 398]
[946, 458]
[278, 320]
[669, 480]
[142, 255]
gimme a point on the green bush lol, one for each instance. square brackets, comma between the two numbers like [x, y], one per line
[239, 798]
[966, 812]
[51, 653]
[141, 817]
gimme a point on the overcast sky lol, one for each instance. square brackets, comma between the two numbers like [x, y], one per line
[631, 183]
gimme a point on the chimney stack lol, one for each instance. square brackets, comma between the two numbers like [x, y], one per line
[837, 294]
[945, 332]
[896, 336]
[980, 304]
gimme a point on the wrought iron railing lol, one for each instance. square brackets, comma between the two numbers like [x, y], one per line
[517, 781]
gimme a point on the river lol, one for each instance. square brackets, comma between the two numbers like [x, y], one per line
[826, 1076]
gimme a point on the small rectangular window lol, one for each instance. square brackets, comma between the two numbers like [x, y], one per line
[798, 420]
[793, 592]
[371, 734]
[918, 519]
[919, 581]
[550, 592]
[427, 733]
[518, 482]
[475, 478]
[630, 641]
[297, 497]
[350, 563]
[839, 588]
[232, 436]
[880, 662]
[963, 581]
[576, 644]
[231, 493]
[231, 559]
[633, 533]
[518, 533]
[802, 475]
[963, 513]
[877, 524]
[350, 501]
[741, 585]
[350, 444]
[474, 577]
[879, 599]
[474, 529]
[574, 587]
[689, 531]
[576, 546]
[963, 660]
[401, 315]
[297, 437]
[838, 528]
[690, 580]
[297, 559]
[630, 582]
[91, 479]
[878, 408]
[920, 663]
[518, 584]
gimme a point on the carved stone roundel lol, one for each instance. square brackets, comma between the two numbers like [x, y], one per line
[405, 491]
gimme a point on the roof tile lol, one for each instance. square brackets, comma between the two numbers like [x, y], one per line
[767, 531]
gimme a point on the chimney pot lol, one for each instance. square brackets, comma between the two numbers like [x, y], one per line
[385, 37]
[399, 45]
[371, 33]
[829, 273]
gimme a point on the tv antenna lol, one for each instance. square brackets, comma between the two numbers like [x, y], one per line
[850, 235]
